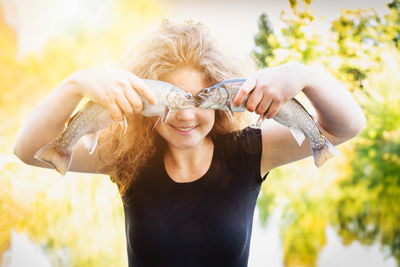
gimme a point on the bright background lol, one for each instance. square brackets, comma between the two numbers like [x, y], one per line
[344, 214]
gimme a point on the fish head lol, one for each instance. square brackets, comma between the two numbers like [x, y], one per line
[212, 97]
[168, 97]
[203, 97]
[179, 99]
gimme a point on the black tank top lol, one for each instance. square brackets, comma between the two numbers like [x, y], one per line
[207, 222]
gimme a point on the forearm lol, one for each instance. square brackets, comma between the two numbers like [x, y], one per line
[47, 121]
[337, 111]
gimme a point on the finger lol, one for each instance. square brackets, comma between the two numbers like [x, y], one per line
[145, 90]
[123, 103]
[133, 98]
[263, 105]
[246, 88]
[273, 109]
[254, 99]
[115, 111]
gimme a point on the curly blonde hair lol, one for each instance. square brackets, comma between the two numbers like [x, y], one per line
[172, 46]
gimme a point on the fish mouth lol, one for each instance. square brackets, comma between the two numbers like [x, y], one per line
[200, 98]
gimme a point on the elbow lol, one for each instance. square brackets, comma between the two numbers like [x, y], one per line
[350, 130]
[356, 126]
[363, 123]
[16, 150]
[19, 153]
[359, 125]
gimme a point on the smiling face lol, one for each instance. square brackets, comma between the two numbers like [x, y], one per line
[188, 128]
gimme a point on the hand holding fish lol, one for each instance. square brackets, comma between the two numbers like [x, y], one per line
[113, 94]
[117, 90]
[270, 93]
[271, 88]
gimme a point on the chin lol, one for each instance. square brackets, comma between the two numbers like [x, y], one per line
[187, 144]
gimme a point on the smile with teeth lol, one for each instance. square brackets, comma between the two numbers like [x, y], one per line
[185, 129]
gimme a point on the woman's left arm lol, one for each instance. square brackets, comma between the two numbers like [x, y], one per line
[339, 117]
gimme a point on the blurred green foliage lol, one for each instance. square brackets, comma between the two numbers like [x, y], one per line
[358, 192]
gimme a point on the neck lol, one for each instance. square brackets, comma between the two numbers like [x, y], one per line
[186, 165]
[182, 158]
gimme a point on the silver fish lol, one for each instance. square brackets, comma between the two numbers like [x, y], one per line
[292, 114]
[92, 118]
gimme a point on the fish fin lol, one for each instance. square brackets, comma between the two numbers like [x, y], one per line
[71, 118]
[323, 154]
[298, 135]
[229, 115]
[229, 112]
[158, 120]
[90, 141]
[50, 154]
[166, 114]
[260, 120]
[124, 124]
[331, 147]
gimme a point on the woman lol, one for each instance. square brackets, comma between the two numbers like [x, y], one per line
[189, 187]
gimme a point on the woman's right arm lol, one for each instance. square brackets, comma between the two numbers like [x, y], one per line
[116, 90]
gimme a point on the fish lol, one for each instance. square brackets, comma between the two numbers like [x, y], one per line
[221, 95]
[93, 117]
[291, 114]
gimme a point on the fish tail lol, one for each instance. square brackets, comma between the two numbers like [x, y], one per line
[323, 154]
[50, 154]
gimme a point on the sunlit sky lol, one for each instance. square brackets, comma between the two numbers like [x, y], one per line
[234, 21]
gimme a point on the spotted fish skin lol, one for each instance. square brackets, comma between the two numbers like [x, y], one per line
[291, 114]
[92, 118]
[87, 122]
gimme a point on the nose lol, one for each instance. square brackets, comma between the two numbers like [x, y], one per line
[185, 114]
